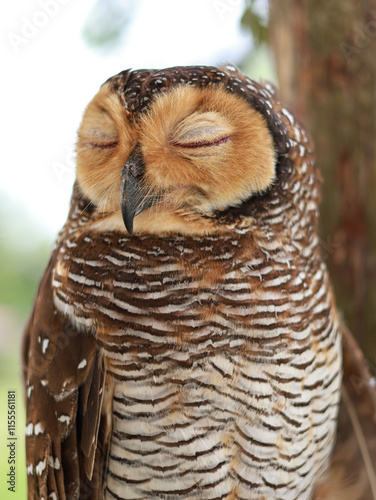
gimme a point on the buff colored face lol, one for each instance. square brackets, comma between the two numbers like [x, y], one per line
[193, 152]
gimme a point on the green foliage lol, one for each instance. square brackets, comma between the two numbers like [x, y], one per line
[20, 274]
[259, 62]
[24, 253]
[253, 20]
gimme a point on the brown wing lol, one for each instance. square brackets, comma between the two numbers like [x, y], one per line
[64, 380]
[353, 471]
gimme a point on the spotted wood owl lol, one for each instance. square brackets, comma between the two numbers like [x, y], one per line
[184, 341]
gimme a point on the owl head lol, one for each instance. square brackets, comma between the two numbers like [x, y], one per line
[185, 149]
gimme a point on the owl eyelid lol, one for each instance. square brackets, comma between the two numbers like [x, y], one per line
[201, 144]
[102, 145]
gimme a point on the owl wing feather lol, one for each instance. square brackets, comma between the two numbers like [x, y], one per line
[352, 475]
[64, 377]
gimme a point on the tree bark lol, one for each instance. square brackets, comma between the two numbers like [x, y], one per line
[325, 55]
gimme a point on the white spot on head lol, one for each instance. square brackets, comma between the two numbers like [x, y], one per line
[297, 134]
[29, 429]
[288, 115]
[82, 364]
[250, 86]
[43, 383]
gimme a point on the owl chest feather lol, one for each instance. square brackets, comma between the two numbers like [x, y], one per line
[224, 357]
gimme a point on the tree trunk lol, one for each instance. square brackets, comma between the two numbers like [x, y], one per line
[326, 63]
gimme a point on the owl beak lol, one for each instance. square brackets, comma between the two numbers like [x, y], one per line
[133, 199]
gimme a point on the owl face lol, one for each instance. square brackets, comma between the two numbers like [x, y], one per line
[191, 151]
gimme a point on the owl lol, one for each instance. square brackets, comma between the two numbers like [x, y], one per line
[184, 342]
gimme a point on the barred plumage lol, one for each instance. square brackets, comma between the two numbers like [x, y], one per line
[199, 357]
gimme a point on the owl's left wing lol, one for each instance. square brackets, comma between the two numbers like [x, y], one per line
[64, 378]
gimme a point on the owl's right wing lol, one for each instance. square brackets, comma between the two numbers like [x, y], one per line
[352, 475]
[66, 430]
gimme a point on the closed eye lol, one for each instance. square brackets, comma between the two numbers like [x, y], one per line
[202, 131]
[101, 145]
[201, 144]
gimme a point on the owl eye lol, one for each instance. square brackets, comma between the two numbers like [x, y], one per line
[202, 143]
[201, 130]
[101, 145]
[99, 131]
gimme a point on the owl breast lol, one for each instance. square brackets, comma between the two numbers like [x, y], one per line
[223, 355]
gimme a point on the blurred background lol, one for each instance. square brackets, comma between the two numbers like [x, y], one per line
[56, 54]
